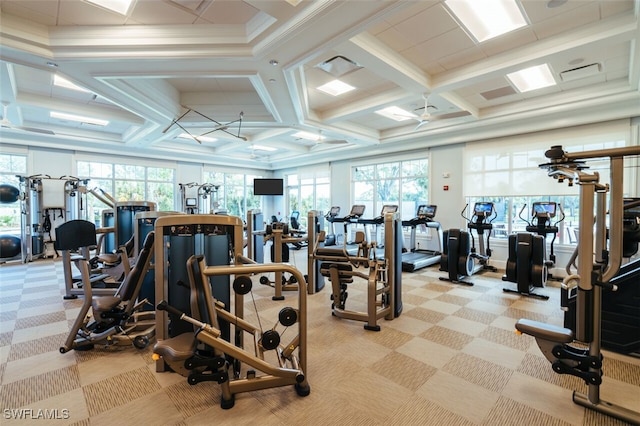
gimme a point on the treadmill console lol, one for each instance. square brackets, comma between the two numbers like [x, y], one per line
[333, 213]
[357, 210]
[426, 211]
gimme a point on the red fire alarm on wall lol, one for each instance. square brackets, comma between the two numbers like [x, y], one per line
[445, 188]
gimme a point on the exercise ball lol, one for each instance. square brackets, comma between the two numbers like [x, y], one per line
[8, 193]
[9, 246]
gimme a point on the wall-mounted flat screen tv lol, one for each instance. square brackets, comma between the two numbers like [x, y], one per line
[268, 187]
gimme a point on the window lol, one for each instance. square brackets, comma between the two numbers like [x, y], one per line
[376, 185]
[507, 173]
[308, 192]
[236, 192]
[128, 182]
[10, 166]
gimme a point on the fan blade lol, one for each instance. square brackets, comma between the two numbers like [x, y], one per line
[421, 123]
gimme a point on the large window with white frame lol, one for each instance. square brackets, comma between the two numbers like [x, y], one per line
[10, 166]
[128, 182]
[310, 191]
[235, 194]
[507, 172]
[402, 183]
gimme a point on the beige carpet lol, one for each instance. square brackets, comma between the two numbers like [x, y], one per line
[451, 358]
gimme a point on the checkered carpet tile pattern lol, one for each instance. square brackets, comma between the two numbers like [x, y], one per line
[451, 358]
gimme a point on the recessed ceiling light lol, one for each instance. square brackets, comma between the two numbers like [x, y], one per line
[118, 6]
[336, 88]
[532, 78]
[263, 148]
[308, 136]
[78, 118]
[63, 82]
[487, 19]
[273, 62]
[197, 138]
[396, 113]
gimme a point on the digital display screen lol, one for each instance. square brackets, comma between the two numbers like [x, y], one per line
[268, 187]
[357, 210]
[334, 211]
[388, 209]
[545, 208]
[483, 208]
[191, 202]
[426, 210]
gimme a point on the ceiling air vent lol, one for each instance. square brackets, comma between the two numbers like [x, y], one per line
[580, 72]
[338, 66]
[498, 93]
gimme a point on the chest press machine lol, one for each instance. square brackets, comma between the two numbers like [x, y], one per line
[594, 276]
[383, 276]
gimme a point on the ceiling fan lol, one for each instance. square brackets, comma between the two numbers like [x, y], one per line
[427, 116]
[7, 124]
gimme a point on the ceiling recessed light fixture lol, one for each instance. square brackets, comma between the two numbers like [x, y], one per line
[263, 148]
[308, 136]
[487, 19]
[78, 118]
[119, 6]
[197, 138]
[396, 113]
[532, 78]
[336, 88]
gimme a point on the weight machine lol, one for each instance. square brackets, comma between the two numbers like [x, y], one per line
[199, 199]
[196, 261]
[595, 274]
[46, 203]
[383, 276]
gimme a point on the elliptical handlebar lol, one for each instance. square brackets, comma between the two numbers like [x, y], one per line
[562, 216]
[462, 213]
[522, 218]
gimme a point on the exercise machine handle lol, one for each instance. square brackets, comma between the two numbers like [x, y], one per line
[164, 306]
[520, 215]
[561, 213]
[462, 213]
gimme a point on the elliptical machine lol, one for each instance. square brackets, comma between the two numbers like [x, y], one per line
[460, 258]
[527, 265]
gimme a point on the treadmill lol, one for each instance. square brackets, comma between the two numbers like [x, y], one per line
[357, 210]
[376, 223]
[417, 258]
[331, 217]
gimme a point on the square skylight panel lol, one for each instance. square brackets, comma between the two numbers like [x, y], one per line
[532, 78]
[308, 136]
[336, 88]
[118, 6]
[78, 118]
[396, 113]
[486, 19]
[197, 138]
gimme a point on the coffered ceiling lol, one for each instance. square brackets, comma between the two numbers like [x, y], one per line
[247, 74]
